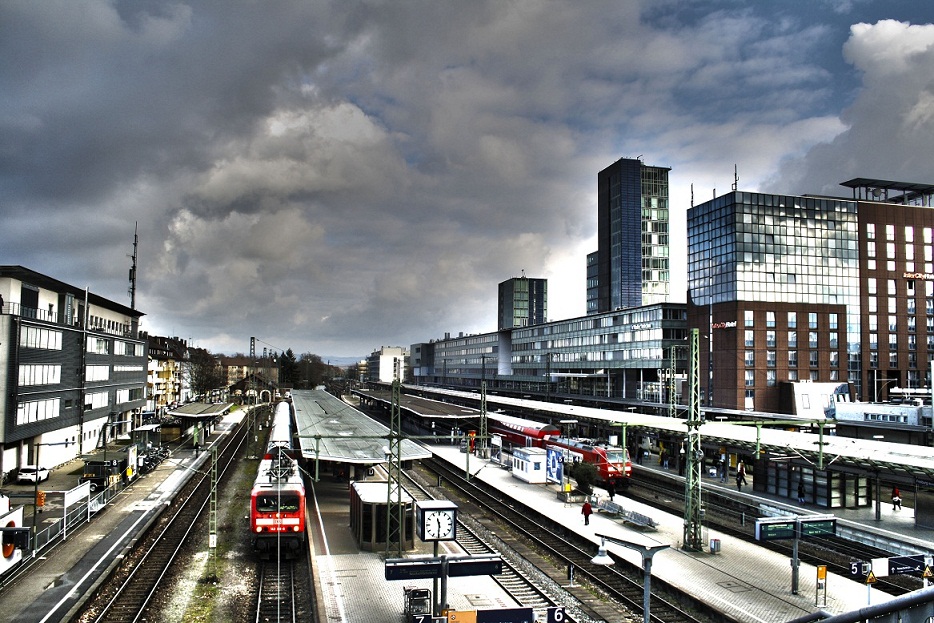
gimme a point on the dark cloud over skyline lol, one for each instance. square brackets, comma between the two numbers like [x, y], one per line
[333, 177]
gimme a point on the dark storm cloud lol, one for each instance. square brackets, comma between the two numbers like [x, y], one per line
[332, 177]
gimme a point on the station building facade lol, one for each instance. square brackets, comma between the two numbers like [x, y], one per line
[73, 370]
[628, 354]
[789, 289]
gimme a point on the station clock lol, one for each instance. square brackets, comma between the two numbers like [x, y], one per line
[436, 520]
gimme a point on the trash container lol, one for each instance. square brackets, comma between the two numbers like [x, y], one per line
[714, 546]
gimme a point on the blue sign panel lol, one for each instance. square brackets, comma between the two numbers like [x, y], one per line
[554, 466]
[507, 615]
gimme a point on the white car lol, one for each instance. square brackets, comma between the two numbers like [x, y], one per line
[31, 473]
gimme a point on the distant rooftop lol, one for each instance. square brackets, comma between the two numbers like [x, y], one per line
[869, 189]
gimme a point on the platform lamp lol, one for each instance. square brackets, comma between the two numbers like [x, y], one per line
[35, 497]
[647, 551]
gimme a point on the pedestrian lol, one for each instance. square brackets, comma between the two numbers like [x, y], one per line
[1, 303]
[896, 499]
[664, 458]
[740, 476]
[721, 469]
[800, 491]
[586, 511]
[610, 490]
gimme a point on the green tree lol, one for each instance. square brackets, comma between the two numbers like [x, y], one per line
[204, 372]
[288, 369]
[585, 474]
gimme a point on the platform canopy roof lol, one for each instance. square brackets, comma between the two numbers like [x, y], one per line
[201, 410]
[332, 430]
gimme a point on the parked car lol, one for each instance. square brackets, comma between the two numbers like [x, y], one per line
[33, 474]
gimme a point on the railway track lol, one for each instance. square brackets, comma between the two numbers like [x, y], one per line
[733, 516]
[275, 601]
[134, 583]
[550, 543]
[528, 589]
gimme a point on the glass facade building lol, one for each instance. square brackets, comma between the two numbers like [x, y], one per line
[774, 285]
[522, 302]
[632, 258]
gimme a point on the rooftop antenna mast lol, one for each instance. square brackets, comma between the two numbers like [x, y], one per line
[735, 177]
[132, 291]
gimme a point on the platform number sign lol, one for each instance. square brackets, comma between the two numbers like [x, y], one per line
[427, 618]
[556, 615]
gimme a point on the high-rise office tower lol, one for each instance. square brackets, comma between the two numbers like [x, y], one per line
[522, 302]
[632, 266]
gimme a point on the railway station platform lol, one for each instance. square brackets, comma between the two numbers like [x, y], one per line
[69, 570]
[351, 583]
[747, 582]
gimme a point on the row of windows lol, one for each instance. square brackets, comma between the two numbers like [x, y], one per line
[37, 410]
[40, 337]
[771, 358]
[97, 373]
[927, 233]
[39, 374]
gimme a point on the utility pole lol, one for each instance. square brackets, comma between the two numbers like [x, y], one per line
[395, 511]
[694, 457]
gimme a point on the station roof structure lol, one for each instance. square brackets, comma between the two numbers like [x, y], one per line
[875, 189]
[329, 429]
[755, 436]
[201, 410]
[421, 407]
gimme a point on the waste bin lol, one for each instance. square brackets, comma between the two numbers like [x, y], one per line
[714, 546]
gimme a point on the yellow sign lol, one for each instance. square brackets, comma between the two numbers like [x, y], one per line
[871, 578]
[465, 616]
[927, 573]
[821, 572]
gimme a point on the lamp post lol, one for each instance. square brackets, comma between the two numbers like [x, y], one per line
[647, 551]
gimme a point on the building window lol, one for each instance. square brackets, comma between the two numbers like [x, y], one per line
[792, 359]
[749, 339]
[748, 318]
[750, 359]
[792, 320]
[770, 319]
[770, 339]
[792, 339]
[813, 359]
[770, 358]
[812, 320]
[870, 231]
[834, 359]
[834, 339]
[750, 378]
[832, 318]
[770, 378]
[812, 339]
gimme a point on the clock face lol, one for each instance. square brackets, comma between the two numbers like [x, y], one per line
[439, 524]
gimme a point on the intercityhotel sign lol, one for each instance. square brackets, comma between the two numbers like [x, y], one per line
[921, 276]
[729, 324]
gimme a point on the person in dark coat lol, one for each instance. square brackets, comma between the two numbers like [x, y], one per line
[800, 492]
[896, 499]
[610, 490]
[587, 511]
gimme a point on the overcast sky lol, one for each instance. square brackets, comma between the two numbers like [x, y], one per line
[332, 177]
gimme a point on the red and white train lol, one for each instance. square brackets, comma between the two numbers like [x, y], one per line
[277, 500]
[613, 463]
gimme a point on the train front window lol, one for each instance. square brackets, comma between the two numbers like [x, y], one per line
[274, 502]
[615, 456]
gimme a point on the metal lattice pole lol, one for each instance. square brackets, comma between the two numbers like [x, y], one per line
[395, 510]
[693, 457]
[212, 514]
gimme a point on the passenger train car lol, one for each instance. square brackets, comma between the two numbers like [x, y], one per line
[277, 500]
[613, 463]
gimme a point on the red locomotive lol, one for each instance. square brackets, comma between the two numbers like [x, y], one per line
[613, 463]
[277, 501]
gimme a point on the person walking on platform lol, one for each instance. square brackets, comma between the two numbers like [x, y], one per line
[740, 476]
[587, 511]
[800, 491]
[896, 499]
[610, 490]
